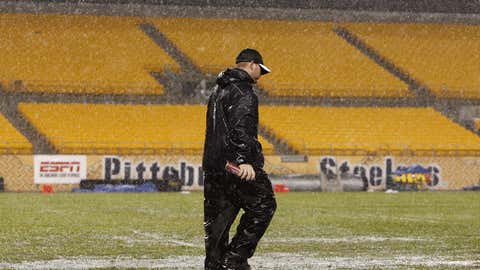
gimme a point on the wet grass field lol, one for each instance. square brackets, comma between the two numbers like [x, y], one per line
[429, 230]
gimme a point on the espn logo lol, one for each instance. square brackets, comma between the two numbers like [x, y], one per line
[59, 166]
[59, 169]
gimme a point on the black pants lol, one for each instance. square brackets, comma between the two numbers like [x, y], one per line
[224, 196]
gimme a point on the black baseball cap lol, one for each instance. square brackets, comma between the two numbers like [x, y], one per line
[248, 55]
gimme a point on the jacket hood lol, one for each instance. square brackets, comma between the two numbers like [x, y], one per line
[233, 75]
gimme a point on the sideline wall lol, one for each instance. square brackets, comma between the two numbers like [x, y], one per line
[450, 173]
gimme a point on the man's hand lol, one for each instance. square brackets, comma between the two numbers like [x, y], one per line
[246, 172]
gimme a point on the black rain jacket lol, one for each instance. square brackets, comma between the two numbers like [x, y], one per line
[232, 123]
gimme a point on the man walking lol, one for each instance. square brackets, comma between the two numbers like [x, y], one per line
[232, 136]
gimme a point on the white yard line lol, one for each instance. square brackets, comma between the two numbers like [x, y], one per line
[353, 239]
[183, 243]
[261, 261]
[104, 262]
[145, 237]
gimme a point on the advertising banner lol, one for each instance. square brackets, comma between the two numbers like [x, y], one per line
[59, 169]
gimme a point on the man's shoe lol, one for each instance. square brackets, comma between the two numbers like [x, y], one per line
[228, 265]
[245, 266]
[213, 266]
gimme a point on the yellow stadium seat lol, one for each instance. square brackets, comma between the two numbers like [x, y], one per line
[12, 141]
[367, 130]
[306, 58]
[122, 129]
[79, 54]
[440, 56]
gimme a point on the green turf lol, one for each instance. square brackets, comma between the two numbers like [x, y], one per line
[43, 227]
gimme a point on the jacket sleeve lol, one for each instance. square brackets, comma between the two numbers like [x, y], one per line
[242, 119]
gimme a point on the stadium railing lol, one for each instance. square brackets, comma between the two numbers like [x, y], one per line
[124, 148]
[299, 89]
[15, 147]
[400, 149]
[463, 92]
[81, 87]
[196, 148]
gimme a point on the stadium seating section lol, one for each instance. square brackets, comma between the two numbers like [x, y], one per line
[122, 129]
[79, 54]
[111, 55]
[367, 130]
[12, 141]
[104, 54]
[307, 58]
[442, 57]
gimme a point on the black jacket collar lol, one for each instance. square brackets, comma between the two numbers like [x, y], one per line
[233, 75]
